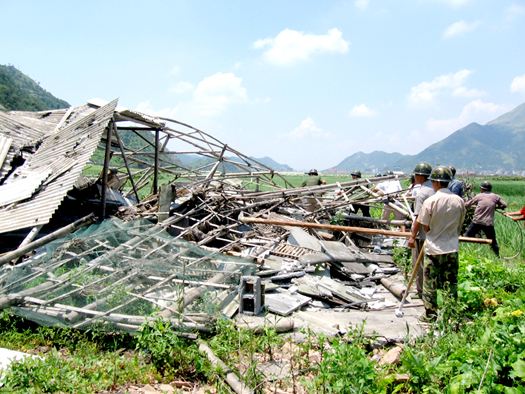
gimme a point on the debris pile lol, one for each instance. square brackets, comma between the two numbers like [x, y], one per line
[197, 229]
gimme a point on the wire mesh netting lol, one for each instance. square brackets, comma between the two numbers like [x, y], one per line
[120, 275]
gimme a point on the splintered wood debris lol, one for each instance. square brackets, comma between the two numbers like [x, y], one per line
[191, 218]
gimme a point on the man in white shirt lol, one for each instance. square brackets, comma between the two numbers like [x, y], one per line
[441, 216]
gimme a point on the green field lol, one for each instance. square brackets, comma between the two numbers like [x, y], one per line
[476, 345]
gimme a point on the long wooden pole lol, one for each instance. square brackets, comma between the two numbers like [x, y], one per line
[362, 230]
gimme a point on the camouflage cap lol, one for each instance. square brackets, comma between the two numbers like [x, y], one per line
[423, 169]
[441, 174]
[485, 185]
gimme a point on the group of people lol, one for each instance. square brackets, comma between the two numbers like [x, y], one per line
[438, 213]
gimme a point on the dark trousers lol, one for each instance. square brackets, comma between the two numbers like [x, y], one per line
[475, 228]
[440, 273]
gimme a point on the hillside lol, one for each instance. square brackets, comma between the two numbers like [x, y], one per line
[18, 92]
[494, 147]
[373, 162]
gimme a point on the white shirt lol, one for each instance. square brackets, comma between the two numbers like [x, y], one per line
[443, 213]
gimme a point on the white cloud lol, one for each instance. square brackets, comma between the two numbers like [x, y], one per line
[514, 11]
[455, 3]
[426, 92]
[462, 91]
[460, 27]
[518, 84]
[182, 87]
[212, 96]
[361, 4]
[292, 46]
[307, 129]
[147, 108]
[362, 111]
[478, 111]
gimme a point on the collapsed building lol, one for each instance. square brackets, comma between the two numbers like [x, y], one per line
[186, 228]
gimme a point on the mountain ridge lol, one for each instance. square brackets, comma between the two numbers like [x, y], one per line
[495, 147]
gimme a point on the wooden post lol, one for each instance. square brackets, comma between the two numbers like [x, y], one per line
[107, 158]
[156, 173]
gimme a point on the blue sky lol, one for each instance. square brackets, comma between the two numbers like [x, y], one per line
[305, 82]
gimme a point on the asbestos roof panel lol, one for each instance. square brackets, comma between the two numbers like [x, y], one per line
[124, 114]
[5, 144]
[4, 169]
[22, 188]
[20, 133]
[64, 152]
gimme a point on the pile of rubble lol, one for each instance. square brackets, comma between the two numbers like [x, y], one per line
[217, 233]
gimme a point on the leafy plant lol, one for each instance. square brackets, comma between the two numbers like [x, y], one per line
[169, 353]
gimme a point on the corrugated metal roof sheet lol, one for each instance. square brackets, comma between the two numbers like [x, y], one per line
[64, 152]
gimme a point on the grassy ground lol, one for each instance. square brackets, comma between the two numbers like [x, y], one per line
[477, 344]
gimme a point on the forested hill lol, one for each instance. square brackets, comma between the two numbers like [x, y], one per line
[18, 92]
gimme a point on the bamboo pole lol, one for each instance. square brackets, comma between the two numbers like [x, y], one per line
[362, 230]
[232, 379]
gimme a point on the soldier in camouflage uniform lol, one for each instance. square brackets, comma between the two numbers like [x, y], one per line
[441, 216]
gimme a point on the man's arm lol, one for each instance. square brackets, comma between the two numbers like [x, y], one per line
[471, 202]
[501, 203]
[461, 219]
[414, 231]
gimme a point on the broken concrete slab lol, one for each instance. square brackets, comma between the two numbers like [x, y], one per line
[379, 323]
[284, 303]
[300, 237]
